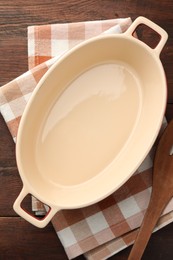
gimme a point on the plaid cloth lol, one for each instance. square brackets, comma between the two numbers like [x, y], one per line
[102, 229]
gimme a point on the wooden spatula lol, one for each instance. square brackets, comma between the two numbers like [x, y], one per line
[162, 191]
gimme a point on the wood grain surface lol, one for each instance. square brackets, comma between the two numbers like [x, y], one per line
[19, 239]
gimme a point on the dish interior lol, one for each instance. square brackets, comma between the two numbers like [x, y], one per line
[88, 125]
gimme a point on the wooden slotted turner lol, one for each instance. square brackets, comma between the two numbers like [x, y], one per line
[162, 191]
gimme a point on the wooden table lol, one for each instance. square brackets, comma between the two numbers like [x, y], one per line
[19, 239]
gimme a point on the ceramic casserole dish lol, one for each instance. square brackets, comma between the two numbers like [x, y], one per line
[91, 121]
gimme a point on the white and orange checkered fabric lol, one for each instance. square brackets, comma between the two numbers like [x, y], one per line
[105, 228]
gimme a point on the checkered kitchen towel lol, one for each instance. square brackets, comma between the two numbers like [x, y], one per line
[102, 229]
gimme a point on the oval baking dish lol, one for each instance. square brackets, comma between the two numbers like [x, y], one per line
[91, 121]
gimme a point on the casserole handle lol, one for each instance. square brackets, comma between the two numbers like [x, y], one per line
[163, 34]
[27, 216]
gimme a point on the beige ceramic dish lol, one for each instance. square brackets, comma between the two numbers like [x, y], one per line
[91, 121]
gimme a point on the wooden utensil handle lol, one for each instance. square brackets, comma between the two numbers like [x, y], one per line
[151, 217]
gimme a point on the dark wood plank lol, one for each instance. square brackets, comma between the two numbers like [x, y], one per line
[7, 147]
[156, 247]
[11, 185]
[169, 112]
[21, 240]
